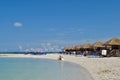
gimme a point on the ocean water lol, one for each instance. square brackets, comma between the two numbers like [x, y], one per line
[40, 69]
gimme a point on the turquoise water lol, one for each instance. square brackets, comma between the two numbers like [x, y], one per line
[40, 69]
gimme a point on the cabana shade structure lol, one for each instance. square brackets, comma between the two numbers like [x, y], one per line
[115, 47]
[79, 47]
[112, 46]
[114, 43]
[68, 48]
[98, 45]
[87, 46]
[65, 48]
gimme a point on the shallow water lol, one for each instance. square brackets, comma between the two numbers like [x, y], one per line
[40, 69]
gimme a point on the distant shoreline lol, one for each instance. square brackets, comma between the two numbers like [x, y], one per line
[99, 68]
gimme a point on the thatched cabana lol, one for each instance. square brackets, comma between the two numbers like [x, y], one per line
[78, 48]
[69, 50]
[98, 46]
[87, 46]
[115, 47]
[87, 49]
[114, 43]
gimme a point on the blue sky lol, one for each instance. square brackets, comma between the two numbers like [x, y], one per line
[52, 24]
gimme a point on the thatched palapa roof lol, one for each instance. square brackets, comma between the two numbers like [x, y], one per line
[68, 48]
[98, 45]
[113, 41]
[78, 47]
[87, 46]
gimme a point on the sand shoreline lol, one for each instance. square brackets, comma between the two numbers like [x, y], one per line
[99, 68]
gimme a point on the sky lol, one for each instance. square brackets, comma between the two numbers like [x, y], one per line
[50, 25]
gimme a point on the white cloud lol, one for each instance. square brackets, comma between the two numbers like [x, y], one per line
[18, 24]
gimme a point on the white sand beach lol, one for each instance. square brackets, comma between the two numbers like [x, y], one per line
[99, 68]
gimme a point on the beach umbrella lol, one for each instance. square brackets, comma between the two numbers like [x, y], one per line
[98, 45]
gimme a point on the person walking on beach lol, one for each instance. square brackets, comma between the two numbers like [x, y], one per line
[60, 58]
